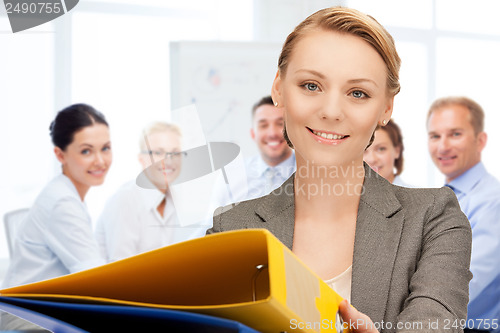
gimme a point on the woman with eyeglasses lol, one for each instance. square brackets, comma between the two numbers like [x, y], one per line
[141, 215]
[56, 237]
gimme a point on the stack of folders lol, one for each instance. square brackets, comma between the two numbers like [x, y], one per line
[237, 281]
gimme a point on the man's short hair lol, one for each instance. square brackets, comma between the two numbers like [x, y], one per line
[475, 110]
[157, 127]
[263, 101]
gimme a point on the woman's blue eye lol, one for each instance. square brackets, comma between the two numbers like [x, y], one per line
[311, 86]
[358, 94]
[86, 151]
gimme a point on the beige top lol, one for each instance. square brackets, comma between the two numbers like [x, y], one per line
[342, 283]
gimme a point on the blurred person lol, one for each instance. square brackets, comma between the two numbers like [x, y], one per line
[276, 160]
[385, 155]
[264, 171]
[456, 139]
[138, 218]
[56, 237]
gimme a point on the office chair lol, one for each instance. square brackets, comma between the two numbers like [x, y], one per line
[12, 220]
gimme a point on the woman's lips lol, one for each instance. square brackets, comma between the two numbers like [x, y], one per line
[327, 136]
[98, 173]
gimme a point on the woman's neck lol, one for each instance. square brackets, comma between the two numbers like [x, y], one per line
[161, 206]
[82, 189]
[323, 192]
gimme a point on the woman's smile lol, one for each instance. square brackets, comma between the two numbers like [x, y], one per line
[328, 137]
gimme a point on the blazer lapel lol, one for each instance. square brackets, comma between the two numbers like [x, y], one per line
[278, 212]
[378, 230]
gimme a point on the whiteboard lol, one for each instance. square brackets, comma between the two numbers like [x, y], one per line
[224, 80]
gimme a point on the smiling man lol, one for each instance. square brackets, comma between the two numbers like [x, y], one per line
[276, 160]
[456, 139]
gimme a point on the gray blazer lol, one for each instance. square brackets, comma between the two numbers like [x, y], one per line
[411, 250]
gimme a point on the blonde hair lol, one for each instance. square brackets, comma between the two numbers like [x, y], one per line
[353, 22]
[475, 110]
[157, 127]
[350, 21]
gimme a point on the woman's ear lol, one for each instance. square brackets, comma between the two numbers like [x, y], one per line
[387, 114]
[398, 151]
[276, 90]
[59, 154]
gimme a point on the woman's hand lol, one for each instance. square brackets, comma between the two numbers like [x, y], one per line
[356, 321]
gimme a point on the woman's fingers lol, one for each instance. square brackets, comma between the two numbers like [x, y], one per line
[356, 321]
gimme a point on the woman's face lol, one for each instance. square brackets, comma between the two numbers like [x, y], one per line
[166, 168]
[334, 93]
[382, 154]
[87, 159]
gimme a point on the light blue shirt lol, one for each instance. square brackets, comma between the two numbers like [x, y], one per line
[262, 178]
[250, 180]
[55, 238]
[478, 193]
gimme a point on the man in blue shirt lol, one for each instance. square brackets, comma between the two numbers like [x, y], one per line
[264, 172]
[456, 139]
[275, 162]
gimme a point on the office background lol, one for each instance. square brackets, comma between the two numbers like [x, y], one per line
[115, 55]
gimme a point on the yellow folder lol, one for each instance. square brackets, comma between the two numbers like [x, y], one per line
[244, 275]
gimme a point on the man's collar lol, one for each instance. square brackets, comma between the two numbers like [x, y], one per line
[152, 197]
[288, 164]
[466, 181]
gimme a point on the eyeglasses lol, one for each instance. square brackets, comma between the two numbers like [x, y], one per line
[174, 155]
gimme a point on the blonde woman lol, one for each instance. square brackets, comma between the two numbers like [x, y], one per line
[400, 256]
[142, 217]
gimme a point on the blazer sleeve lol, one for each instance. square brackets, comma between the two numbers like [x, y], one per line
[216, 227]
[439, 287]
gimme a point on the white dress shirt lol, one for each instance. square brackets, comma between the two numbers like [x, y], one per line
[400, 182]
[131, 224]
[55, 238]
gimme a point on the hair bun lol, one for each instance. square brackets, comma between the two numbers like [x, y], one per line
[52, 124]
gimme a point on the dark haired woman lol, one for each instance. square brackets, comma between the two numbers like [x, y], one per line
[385, 154]
[56, 237]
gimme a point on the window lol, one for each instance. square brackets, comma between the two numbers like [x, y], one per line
[448, 47]
[26, 108]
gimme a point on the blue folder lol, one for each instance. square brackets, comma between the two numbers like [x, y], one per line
[117, 318]
[45, 322]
